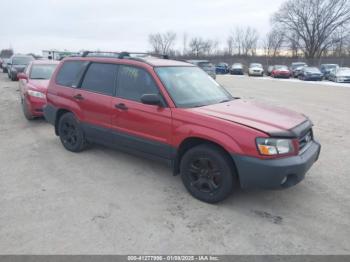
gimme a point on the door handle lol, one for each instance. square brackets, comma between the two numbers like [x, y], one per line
[78, 97]
[121, 106]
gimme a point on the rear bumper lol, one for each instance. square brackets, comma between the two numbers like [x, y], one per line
[276, 173]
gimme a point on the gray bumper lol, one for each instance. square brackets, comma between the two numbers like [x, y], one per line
[276, 173]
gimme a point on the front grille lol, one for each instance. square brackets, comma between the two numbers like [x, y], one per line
[305, 139]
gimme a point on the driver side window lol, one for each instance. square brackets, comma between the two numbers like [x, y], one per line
[133, 82]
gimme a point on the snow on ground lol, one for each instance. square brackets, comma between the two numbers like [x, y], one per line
[325, 82]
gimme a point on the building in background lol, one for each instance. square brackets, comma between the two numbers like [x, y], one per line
[57, 55]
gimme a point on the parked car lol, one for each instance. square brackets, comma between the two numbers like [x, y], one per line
[327, 68]
[1, 61]
[296, 68]
[171, 111]
[4, 64]
[310, 74]
[255, 69]
[33, 86]
[340, 75]
[208, 67]
[17, 64]
[222, 68]
[237, 69]
[269, 70]
[280, 71]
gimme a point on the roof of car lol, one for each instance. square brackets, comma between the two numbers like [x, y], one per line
[46, 62]
[150, 60]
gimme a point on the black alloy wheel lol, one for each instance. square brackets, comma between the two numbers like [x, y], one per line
[71, 134]
[207, 173]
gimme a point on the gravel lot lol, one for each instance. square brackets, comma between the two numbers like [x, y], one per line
[103, 201]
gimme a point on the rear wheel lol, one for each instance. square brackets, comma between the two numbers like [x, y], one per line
[71, 133]
[207, 173]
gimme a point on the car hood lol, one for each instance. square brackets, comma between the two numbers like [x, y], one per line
[268, 119]
[282, 70]
[19, 66]
[255, 68]
[346, 74]
[39, 85]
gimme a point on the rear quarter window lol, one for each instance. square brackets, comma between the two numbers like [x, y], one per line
[70, 73]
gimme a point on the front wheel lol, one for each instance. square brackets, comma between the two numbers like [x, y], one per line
[71, 133]
[26, 111]
[207, 173]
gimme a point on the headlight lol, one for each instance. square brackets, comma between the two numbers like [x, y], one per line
[274, 146]
[36, 94]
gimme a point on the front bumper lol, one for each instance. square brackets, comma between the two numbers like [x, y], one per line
[276, 173]
[36, 105]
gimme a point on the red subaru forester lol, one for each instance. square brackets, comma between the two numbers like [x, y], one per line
[173, 111]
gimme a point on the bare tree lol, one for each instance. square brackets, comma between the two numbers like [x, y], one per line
[313, 22]
[250, 41]
[162, 43]
[273, 42]
[201, 47]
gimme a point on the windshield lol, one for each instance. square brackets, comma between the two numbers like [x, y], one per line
[281, 67]
[330, 66]
[312, 70]
[205, 64]
[256, 65]
[191, 87]
[42, 71]
[24, 60]
[298, 65]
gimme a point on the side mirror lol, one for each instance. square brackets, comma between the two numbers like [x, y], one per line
[22, 76]
[151, 99]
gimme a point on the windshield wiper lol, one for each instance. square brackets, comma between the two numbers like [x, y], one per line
[40, 78]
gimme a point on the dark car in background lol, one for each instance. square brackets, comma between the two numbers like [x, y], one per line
[208, 67]
[17, 64]
[222, 68]
[327, 68]
[296, 68]
[237, 69]
[280, 71]
[4, 64]
[340, 75]
[310, 74]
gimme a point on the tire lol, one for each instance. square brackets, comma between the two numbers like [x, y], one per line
[207, 173]
[13, 78]
[71, 134]
[26, 112]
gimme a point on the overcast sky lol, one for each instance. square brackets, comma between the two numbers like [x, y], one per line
[116, 25]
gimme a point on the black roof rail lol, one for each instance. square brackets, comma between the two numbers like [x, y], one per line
[141, 55]
[100, 54]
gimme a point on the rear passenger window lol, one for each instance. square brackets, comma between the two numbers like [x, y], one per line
[134, 82]
[100, 78]
[70, 73]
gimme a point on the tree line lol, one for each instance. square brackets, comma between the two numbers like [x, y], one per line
[308, 28]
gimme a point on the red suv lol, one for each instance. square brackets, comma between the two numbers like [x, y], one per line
[173, 111]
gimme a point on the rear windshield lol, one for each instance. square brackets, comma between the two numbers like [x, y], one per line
[42, 71]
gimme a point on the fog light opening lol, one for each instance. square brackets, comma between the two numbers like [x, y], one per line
[289, 181]
[284, 180]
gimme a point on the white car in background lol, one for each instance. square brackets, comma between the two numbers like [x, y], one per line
[340, 75]
[255, 69]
